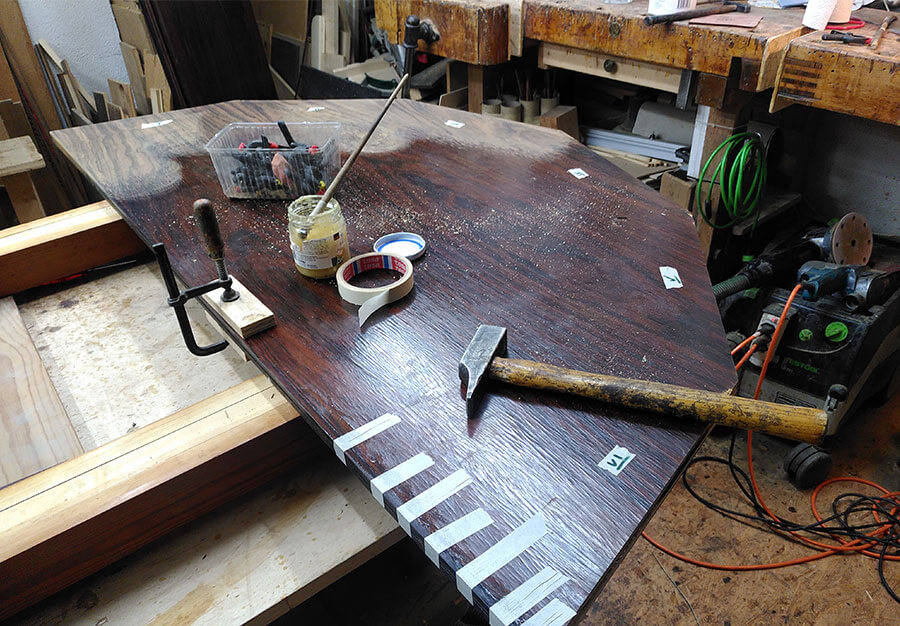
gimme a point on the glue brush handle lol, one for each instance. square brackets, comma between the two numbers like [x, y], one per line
[205, 215]
[791, 422]
[329, 193]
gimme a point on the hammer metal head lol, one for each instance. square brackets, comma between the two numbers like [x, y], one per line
[488, 342]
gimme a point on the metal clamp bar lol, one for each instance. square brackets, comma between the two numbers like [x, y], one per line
[178, 298]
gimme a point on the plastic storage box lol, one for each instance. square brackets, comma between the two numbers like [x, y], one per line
[249, 167]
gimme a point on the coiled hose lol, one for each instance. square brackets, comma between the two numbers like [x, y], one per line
[741, 176]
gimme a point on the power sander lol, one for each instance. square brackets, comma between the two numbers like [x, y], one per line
[841, 340]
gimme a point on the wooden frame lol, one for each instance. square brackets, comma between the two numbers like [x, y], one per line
[72, 519]
[60, 245]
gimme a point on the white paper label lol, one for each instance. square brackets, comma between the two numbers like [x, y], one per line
[314, 109]
[615, 461]
[454, 124]
[670, 277]
[578, 173]
[318, 254]
[147, 125]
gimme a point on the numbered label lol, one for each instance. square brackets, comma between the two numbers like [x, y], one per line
[454, 124]
[670, 277]
[616, 461]
[578, 173]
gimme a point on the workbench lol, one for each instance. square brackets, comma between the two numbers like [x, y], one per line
[720, 68]
[571, 266]
[582, 35]
[585, 36]
[844, 78]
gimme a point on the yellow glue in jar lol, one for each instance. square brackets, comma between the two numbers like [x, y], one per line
[325, 247]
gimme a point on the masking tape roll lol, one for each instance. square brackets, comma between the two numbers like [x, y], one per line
[373, 298]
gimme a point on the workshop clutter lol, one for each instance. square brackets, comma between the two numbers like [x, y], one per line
[259, 160]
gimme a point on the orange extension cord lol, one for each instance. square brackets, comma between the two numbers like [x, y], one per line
[746, 358]
[825, 550]
[738, 347]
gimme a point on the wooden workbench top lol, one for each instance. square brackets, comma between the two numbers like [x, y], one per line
[485, 32]
[570, 266]
[619, 29]
[850, 79]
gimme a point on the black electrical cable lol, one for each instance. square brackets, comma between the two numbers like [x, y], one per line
[838, 524]
[884, 582]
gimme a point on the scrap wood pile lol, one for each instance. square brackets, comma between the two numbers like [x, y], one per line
[147, 92]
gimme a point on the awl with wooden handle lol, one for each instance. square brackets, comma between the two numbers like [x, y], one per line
[483, 359]
[885, 24]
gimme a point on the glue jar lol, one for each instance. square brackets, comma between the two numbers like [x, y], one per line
[322, 251]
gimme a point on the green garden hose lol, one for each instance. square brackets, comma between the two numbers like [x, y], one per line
[741, 176]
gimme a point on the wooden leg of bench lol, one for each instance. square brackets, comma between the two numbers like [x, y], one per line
[23, 197]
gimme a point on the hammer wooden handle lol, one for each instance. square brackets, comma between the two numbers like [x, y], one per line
[791, 422]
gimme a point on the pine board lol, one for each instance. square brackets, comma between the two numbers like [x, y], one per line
[36, 433]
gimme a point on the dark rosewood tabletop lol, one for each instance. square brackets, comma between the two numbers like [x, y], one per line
[518, 504]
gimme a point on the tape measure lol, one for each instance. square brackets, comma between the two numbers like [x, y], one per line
[371, 299]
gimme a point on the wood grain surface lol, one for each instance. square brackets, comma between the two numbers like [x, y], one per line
[619, 29]
[35, 432]
[211, 50]
[844, 78]
[570, 266]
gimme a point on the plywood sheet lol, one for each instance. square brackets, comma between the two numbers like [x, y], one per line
[287, 17]
[125, 314]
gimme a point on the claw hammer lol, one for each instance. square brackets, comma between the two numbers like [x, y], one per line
[484, 358]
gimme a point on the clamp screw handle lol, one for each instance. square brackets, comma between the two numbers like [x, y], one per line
[209, 229]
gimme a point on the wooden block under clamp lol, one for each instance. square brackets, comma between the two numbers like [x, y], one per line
[246, 315]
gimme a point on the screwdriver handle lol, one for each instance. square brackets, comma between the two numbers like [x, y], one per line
[205, 215]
